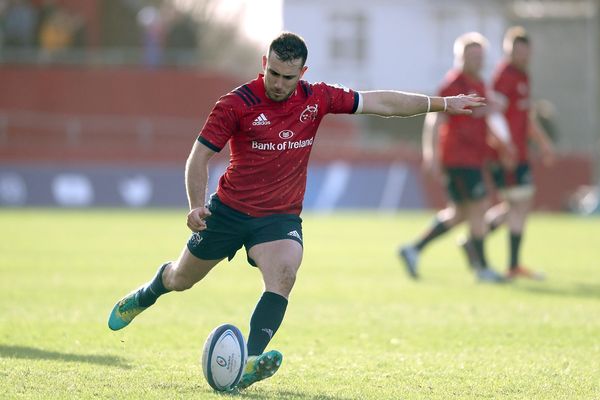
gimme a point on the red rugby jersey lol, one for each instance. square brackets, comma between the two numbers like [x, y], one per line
[270, 143]
[513, 84]
[462, 141]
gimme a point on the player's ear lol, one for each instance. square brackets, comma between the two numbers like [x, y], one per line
[264, 63]
[302, 71]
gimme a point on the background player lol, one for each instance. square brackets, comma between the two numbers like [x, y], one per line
[516, 188]
[454, 149]
[270, 124]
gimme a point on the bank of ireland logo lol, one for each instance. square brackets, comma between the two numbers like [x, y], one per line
[310, 113]
[286, 134]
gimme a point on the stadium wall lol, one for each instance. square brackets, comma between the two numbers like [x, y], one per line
[72, 137]
[331, 185]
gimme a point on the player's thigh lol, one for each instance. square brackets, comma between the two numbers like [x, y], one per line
[476, 209]
[275, 229]
[278, 261]
[277, 255]
[475, 215]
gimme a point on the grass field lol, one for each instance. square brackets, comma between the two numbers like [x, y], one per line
[356, 327]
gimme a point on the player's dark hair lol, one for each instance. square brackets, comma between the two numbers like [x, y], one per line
[288, 47]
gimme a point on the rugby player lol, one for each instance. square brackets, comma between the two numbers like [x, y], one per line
[515, 186]
[454, 150]
[270, 124]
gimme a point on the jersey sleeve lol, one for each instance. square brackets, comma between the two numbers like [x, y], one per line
[220, 125]
[341, 100]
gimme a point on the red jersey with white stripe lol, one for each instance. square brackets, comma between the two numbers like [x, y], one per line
[270, 143]
[513, 84]
[462, 138]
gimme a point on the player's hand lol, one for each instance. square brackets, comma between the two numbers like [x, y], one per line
[196, 219]
[463, 104]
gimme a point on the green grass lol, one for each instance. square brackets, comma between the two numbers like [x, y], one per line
[356, 327]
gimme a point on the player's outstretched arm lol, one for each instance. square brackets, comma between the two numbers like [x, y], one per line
[389, 103]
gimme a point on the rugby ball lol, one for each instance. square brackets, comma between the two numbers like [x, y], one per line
[224, 357]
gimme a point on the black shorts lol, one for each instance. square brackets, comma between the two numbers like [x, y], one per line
[465, 184]
[227, 230]
[503, 179]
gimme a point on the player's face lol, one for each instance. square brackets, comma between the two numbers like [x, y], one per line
[281, 77]
[473, 59]
[520, 55]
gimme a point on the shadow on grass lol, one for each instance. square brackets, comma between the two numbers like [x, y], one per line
[280, 394]
[30, 353]
[578, 290]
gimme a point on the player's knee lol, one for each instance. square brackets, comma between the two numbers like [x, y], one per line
[451, 216]
[179, 285]
[285, 277]
[288, 277]
[446, 214]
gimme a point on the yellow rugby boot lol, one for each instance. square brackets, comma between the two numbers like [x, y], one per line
[260, 367]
